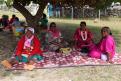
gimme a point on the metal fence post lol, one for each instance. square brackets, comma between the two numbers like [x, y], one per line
[63, 12]
[72, 13]
[99, 14]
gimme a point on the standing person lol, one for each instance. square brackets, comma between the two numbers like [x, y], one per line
[83, 38]
[16, 27]
[50, 10]
[105, 50]
[58, 8]
[28, 48]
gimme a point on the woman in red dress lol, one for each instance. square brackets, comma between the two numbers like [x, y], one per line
[28, 48]
[83, 37]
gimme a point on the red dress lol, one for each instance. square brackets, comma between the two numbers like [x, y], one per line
[36, 47]
[83, 38]
[11, 20]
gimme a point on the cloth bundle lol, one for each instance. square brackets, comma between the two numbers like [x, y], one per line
[6, 63]
[65, 50]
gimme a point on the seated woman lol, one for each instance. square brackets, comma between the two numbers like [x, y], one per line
[17, 28]
[83, 38]
[4, 22]
[54, 38]
[105, 50]
[12, 19]
[43, 21]
[28, 48]
[42, 37]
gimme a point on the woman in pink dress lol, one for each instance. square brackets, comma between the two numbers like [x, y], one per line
[83, 37]
[105, 50]
[55, 33]
[54, 38]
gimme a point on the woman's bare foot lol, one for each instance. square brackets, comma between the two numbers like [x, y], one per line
[85, 57]
[31, 62]
[110, 61]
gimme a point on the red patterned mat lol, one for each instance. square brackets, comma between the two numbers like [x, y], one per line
[57, 60]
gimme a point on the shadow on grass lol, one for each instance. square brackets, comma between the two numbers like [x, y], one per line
[69, 29]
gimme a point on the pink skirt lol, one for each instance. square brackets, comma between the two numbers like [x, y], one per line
[95, 53]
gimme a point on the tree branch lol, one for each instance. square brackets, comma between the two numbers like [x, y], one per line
[21, 9]
[42, 6]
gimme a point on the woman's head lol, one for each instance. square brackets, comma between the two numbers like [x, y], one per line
[105, 31]
[29, 32]
[83, 25]
[44, 15]
[52, 25]
[16, 19]
[13, 16]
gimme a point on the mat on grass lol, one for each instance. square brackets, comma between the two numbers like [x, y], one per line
[73, 59]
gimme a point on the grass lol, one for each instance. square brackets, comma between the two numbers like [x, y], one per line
[90, 73]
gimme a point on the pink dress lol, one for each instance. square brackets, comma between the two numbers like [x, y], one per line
[55, 34]
[107, 44]
[53, 40]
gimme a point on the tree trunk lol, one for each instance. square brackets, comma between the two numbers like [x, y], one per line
[32, 21]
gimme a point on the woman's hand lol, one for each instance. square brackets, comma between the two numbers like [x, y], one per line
[109, 58]
[28, 49]
[29, 58]
[110, 61]
[20, 57]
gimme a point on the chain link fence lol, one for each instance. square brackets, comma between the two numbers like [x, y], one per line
[72, 12]
[78, 12]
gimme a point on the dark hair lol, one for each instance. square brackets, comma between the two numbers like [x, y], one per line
[13, 15]
[52, 23]
[17, 19]
[83, 22]
[44, 15]
[5, 17]
[107, 29]
[44, 27]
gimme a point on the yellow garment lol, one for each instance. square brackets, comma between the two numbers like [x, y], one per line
[16, 32]
[65, 50]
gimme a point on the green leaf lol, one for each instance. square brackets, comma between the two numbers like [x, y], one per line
[9, 3]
